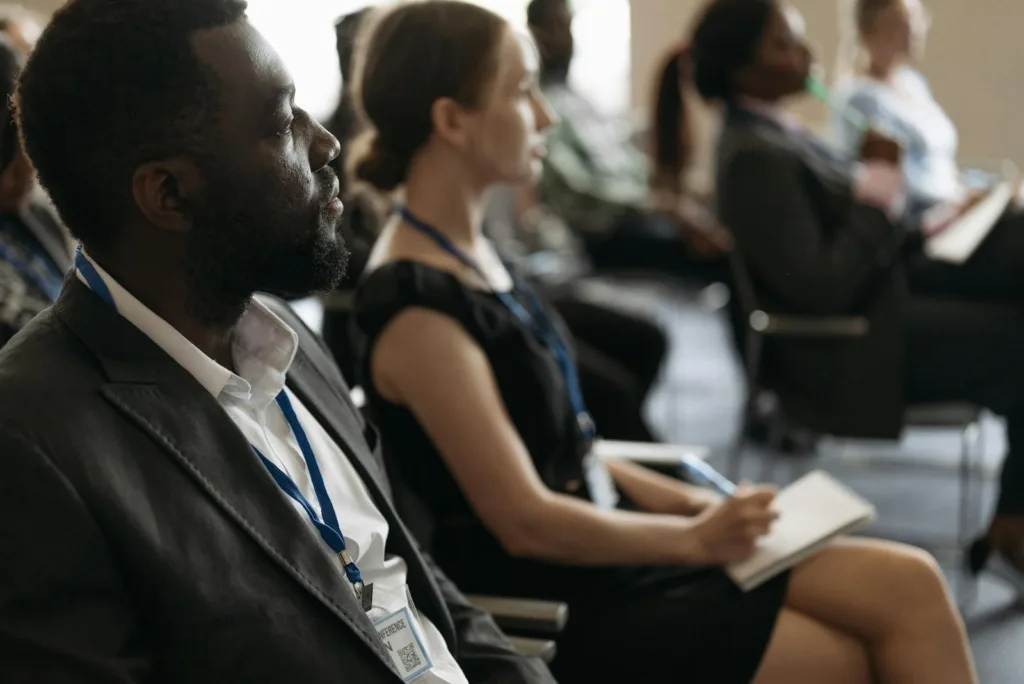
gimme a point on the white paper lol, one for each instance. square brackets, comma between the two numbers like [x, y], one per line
[600, 483]
[956, 243]
[647, 452]
[812, 511]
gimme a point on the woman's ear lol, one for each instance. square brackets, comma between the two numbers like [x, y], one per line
[450, 122]
[165, 190]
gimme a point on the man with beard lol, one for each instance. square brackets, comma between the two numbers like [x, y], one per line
[187, 493]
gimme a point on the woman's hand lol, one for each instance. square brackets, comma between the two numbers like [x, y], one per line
[695, 500]
[728, 532]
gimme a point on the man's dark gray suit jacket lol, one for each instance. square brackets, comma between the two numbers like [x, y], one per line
[141, 540]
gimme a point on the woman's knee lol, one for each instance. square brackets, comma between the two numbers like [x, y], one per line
[867, 587]
[915, 573]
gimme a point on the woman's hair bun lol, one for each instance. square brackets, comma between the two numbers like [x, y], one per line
[380, 167]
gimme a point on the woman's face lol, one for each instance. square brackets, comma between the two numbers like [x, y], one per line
[898, 32]
[782, 62]
[505, 141]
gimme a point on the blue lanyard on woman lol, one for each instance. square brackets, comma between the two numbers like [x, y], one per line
[535, 319]
[327, 522]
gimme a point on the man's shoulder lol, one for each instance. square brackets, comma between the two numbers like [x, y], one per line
[44, 371]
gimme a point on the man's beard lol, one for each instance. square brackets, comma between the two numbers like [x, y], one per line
[236, 250]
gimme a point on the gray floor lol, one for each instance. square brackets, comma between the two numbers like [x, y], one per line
[913, 483]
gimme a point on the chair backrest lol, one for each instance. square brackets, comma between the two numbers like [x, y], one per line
[742, 306]
[742, 283]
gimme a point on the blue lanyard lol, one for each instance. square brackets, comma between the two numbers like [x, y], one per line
[535, 319]
[48, 280]
[327, 522]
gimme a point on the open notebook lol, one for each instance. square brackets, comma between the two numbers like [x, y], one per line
[956, 242]
[812, 511]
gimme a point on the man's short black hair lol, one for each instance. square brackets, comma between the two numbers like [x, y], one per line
[540, 12]
[110, 85]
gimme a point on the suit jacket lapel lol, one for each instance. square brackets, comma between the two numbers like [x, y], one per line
[150, 389]
[337, 414]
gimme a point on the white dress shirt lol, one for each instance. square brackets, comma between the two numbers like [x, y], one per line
[263, 348]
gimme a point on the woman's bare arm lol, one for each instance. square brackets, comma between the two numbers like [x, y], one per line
[427, 362]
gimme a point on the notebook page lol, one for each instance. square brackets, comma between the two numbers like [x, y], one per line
[956, 243]
[813, 509]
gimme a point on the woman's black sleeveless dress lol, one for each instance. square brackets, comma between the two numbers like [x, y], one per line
[627, 623]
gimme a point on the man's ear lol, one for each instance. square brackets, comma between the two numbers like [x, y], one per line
[164, 191]
[448, 118]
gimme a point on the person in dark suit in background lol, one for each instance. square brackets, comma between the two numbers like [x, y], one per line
[823, 237]
[34, 251]
[188, 494]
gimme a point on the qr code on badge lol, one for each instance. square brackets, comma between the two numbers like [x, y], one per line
[410, 659]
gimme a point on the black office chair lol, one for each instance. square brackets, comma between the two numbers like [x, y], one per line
[765, 406]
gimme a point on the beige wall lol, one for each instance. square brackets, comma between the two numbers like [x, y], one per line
[975, 63]
[42, 6]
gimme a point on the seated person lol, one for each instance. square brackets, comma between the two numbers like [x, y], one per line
[882, 83]
[600, 182]
[471, 379]
[34, 252]
[819, 240]
[893, 95]
[21, 25]
[180, 458]
[620, 355]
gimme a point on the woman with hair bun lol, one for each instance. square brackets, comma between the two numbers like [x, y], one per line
[470, 378]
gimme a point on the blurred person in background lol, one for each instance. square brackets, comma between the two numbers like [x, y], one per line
[21, 25]
[822, 236]
[471, 379]
[34, 252]
[361, 220]
[602, 184]
[880, 80]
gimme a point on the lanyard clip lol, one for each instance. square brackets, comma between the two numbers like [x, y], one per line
[586, 424]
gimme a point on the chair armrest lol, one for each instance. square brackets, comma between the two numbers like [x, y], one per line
[535, 648]
[527, 616]
[649, 453]
[808, 326]
[668, 459]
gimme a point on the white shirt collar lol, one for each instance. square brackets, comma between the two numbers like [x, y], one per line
[263, 347]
